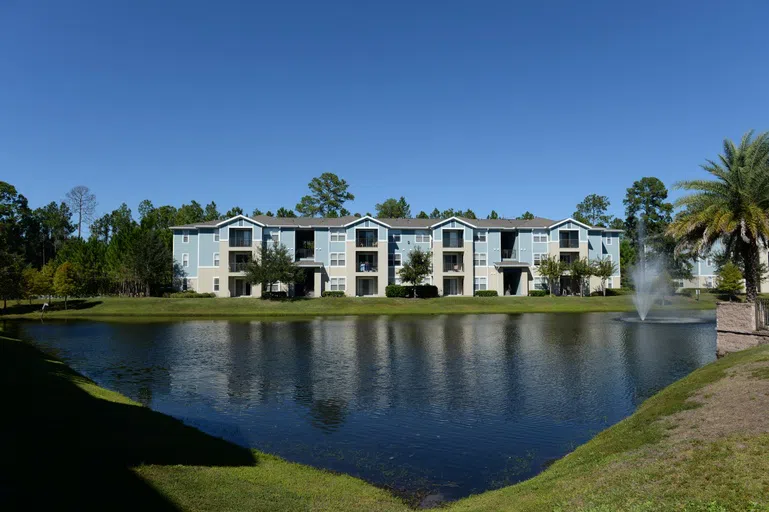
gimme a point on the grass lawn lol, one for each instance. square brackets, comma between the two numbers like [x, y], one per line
[245, 307]
[701, 444]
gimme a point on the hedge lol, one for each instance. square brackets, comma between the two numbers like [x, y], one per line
[191, 295]
[332, 293]
[612, 292]
[538, 293]
[275, 295]
[423, 291]
[486, 293]
[691, 292]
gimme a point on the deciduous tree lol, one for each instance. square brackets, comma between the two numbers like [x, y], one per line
[417, 268]
[604, 269]
[65, 281]
[730, 280]
[273, 264]
[551, 269]
[393, 209]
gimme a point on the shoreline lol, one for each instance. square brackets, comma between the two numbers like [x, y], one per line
[252, 308]
[659, 455]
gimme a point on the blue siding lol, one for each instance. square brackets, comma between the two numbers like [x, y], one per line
[526, 244]
[569, 226]
[224, 231]
[190, 248]
[612, 249]
[207, 247]
[495, 246]
[322, 246]
[288, 238]
[595, 246]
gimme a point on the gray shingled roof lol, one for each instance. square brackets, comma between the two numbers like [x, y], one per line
[537, 222]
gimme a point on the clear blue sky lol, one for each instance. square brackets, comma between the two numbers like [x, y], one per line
[493, 104]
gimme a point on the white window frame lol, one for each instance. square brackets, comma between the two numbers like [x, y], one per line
[540, 283]
[216, 235]
[185, 259]
[216, 257]
[185, 236]
[542, 255]
[709, 261]
[271, 238]
[397, 280]
[422, 238]
[480, 283]
[535, 237]
[340, 257]
[392, 262]
[337, 235]
[395, 237]
[480, 262]
[709, 282]
[608, 240]
[216, 284]
[609, 283]
[480, 236]
[337, 284]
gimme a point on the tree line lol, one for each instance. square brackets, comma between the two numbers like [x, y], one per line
[43, 251]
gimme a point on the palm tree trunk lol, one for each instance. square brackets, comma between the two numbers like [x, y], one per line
[750, 258]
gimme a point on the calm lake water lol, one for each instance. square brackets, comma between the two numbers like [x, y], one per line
[453, 405]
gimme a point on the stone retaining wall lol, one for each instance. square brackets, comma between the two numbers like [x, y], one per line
[736, 328]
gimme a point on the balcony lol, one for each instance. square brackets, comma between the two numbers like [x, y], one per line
[367, 238]
[305, 254]
[366, 263]
[240, 242]
[238, 266]
[454, 242]
[568, 244]
[510, 254]
[453, 265]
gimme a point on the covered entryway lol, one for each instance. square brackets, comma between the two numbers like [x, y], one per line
[515, 277]
[453, 285]
[365, 286]
[239, 287]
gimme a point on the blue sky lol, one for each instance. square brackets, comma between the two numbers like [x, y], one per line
[493, 104]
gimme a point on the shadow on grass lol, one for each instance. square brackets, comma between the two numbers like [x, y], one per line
[58, 305]
[61, 445]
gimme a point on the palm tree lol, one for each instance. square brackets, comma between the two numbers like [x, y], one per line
[732, 208]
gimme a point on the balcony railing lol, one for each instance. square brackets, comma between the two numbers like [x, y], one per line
[240, 242]
[510, 254]
[366, 242]
[239, 266]
[449, 266]
[569, 244]
[366, 268]
[453, 242]
[305, 254]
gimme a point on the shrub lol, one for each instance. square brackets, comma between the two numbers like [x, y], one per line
[275, 295]
[332, 293]
[612, 292]
[189, 294]
[691, 292]
[486, 293]
[538, 293]
[426, 291]
[397, 290]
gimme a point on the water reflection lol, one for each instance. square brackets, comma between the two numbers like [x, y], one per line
[457, 403]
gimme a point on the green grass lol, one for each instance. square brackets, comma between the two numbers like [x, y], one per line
[244, 307]
[88, 446]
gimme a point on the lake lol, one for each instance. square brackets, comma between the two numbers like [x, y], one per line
[450, 405]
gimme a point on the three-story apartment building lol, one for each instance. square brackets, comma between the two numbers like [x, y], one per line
[362, 255]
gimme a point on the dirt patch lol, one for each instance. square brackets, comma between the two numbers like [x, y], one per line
[738, 404]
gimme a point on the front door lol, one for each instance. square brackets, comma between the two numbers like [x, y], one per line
[450, 287]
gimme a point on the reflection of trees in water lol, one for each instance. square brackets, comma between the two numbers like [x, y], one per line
[145, 395]
[329, 414]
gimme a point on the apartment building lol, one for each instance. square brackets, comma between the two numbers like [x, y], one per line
[362, 255]
[705, 271]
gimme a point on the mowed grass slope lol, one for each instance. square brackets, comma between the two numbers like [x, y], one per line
[702, 444]
[247, 307]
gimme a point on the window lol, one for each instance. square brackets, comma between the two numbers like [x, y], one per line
[479, 283]
[609, 283]
[216, 284]
[709, 261]
[479, 259]
[185, 260]
[275, 237]
[427, 280]
[216, 235]
[216, 259]
[480, 236]
[538, 257]
[185, 236]
[607, 257]
[608, 240]
[337, 259]
[422, 237]
[395, 260]
[397, 280]
[709, 282]
[337, 235]
[337, 284]
[184, 284]
[540, 238]
[540, 283]
[395, 236]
